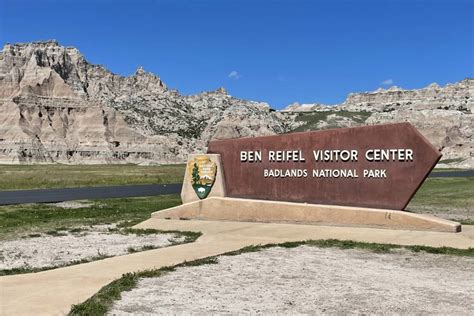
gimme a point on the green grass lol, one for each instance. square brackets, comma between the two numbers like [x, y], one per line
[463, 221]
[447, 170]
[445, 194]
[453, 160]
[15, 177]
[188, 235]
[311, 119]
[103, 300]
[35, 218]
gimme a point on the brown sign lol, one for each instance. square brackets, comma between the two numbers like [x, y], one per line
[379, 166]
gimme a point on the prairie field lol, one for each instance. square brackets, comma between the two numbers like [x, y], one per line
[18, 177]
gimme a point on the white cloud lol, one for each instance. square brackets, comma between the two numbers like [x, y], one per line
[387, 82]
[234, 75]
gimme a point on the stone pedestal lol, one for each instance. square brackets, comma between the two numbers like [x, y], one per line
[247, 210]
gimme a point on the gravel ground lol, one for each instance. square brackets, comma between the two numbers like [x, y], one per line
[64, 247]
[73, 204]
[311, 280]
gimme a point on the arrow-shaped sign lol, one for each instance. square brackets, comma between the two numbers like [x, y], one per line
[380, 166]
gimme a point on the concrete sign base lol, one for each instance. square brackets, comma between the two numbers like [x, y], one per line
[247, 210]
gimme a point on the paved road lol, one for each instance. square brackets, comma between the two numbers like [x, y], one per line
[452, 174]
[69, 194]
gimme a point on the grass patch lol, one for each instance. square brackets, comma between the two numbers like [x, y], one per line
[189, 236]
[311, 120]
[56, 233]
[435, 170]
[349, 244]
[16, 177]
[445, 194]
[144, 248]
[33, 235]
[453, 160]
[76, 230]
[103, 300]
[40, 218]
[464, 221]
[34, 270]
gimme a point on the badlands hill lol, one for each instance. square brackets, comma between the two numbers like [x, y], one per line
[445, 115]
[57, 107]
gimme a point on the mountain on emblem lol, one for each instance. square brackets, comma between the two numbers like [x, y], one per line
[203, 174]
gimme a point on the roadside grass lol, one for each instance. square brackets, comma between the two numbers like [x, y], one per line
[464, 221]
[18, 177]
[101, 302]
[445, 194]
[453, 160]
[28, 219]
[447, 170]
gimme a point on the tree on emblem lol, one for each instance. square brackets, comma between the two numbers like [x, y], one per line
[195, 175]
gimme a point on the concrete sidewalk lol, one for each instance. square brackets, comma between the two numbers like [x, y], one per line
[53, 292]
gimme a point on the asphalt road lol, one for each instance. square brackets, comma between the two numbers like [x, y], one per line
[452, 174]
[69, 194]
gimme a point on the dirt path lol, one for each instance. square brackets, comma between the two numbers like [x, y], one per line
[310, 280]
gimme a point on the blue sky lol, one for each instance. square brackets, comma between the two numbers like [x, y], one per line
[274, 51]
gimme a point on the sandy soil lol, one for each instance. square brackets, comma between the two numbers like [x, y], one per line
[73, 204]
[310, 280]
[46, 250]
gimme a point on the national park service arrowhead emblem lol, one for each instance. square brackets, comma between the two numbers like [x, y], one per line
[203, 174]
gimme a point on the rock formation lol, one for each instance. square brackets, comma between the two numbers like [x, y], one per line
[445, 115]
[57, 107]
